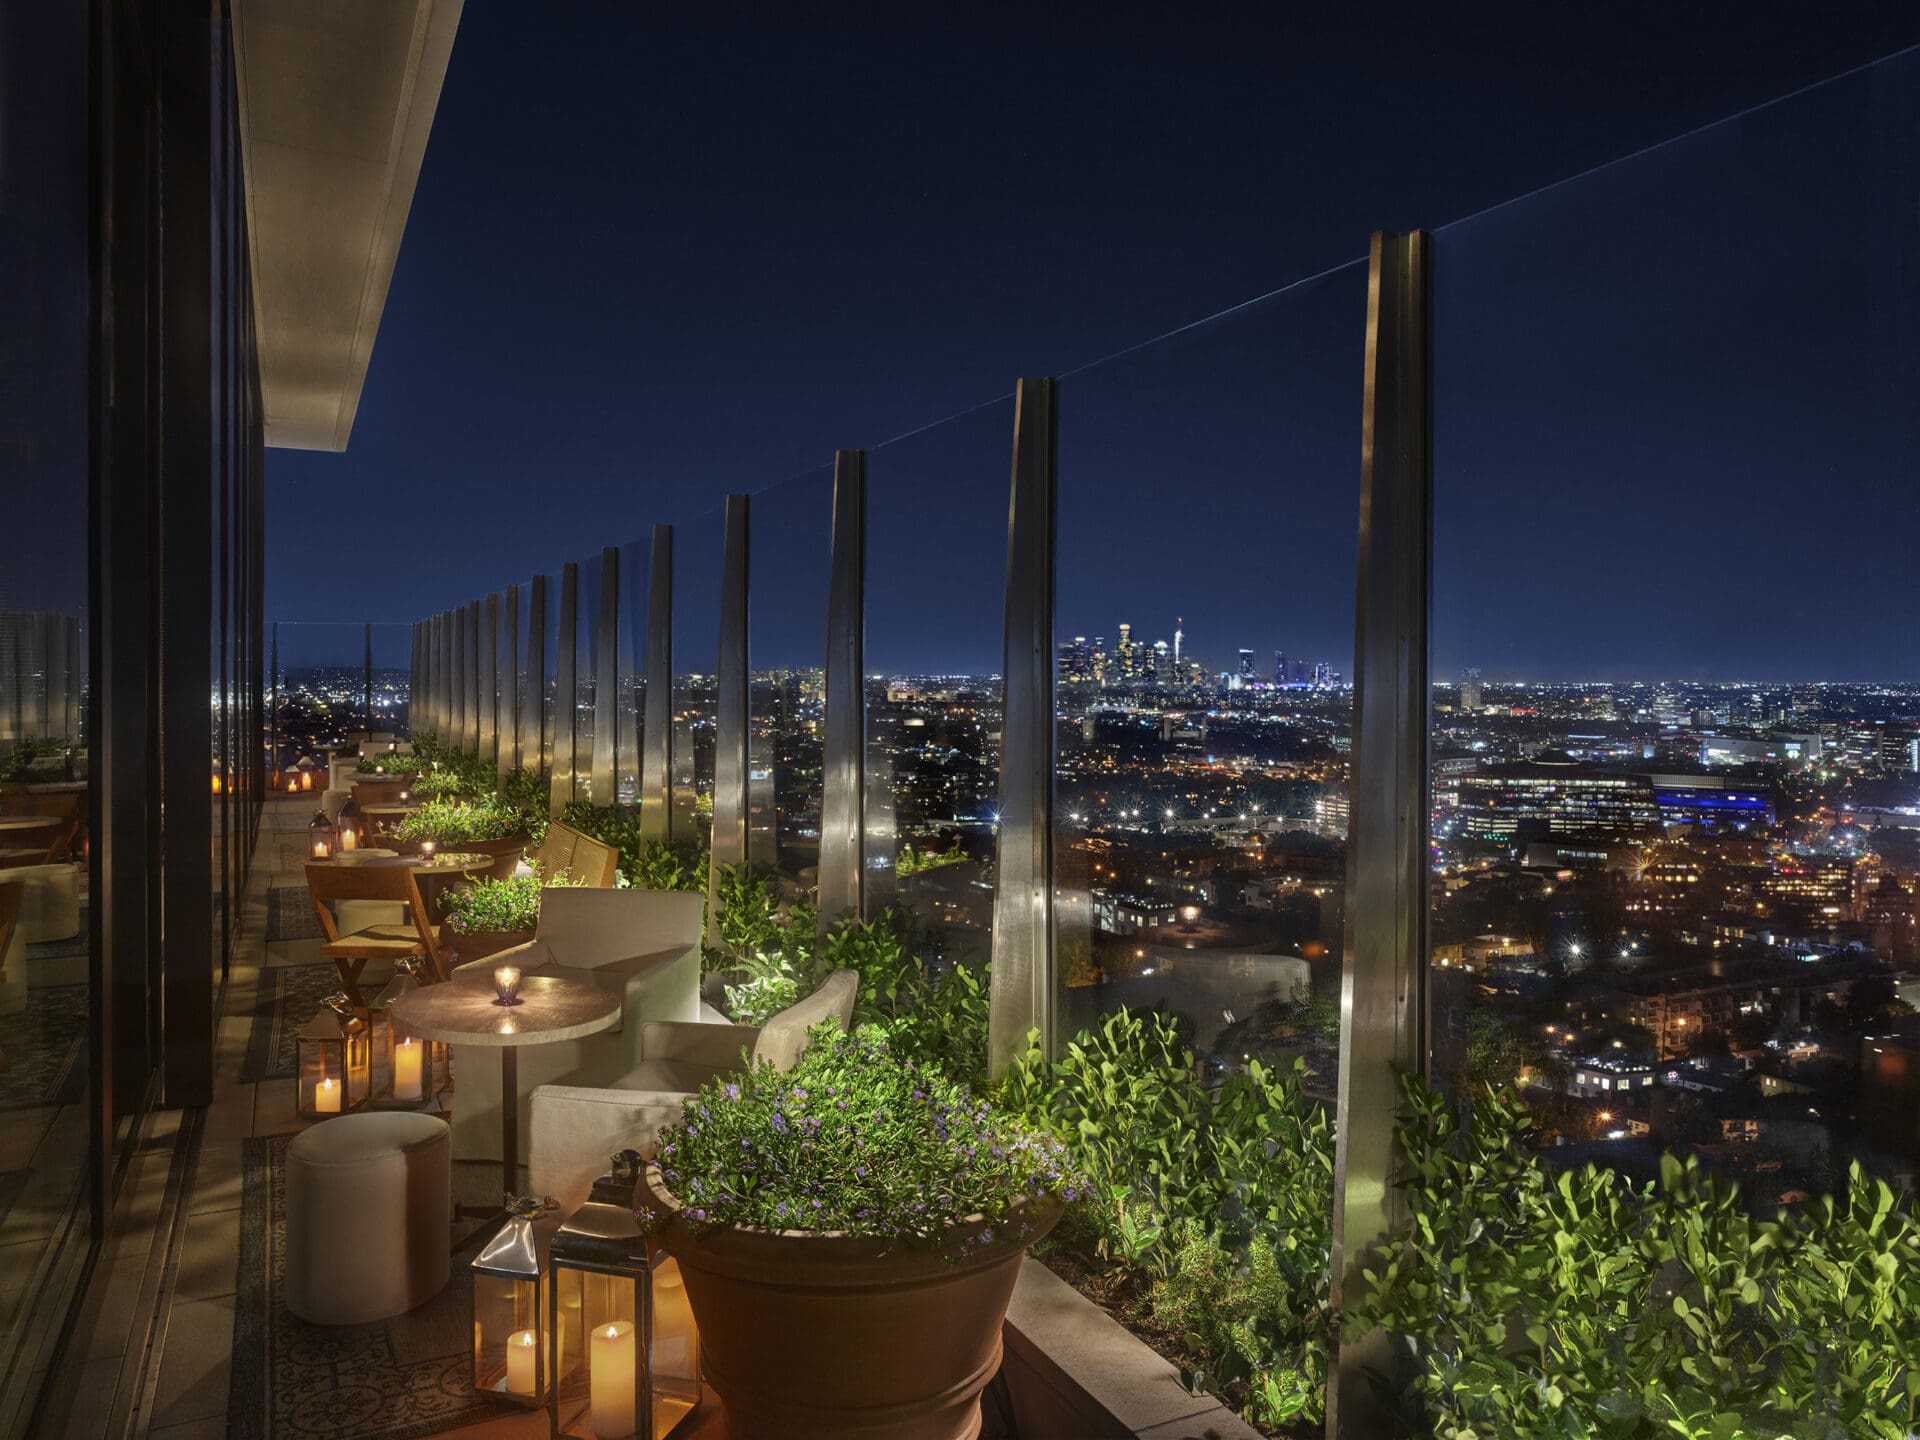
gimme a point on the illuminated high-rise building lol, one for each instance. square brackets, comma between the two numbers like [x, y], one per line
[1124, 659]
[1279, 667]
[1246, 667]
[1470, 689]
[1162, 663]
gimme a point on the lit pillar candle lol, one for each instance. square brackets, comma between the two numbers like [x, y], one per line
[610, 1380]
[407, 1058]
[520, 1356]
[326, 1097]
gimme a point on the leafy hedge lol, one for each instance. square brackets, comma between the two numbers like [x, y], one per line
[1576, 1305]
[645, 864]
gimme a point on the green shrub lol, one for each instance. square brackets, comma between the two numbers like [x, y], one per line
[1185, 1170]
[912, 862]
[389, 762]
[509, 904]
[33, 760]
[1576, 1304]
[458, 822]
[644, 864]
[857, 1138]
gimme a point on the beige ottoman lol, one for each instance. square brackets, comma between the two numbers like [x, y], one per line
[50, 910]
[369, 1206]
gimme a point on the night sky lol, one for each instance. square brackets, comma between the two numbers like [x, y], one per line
[657, 258]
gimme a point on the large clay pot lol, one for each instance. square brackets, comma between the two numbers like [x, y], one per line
[834, 1337]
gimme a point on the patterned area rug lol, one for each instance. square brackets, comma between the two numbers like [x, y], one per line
[290, 914]
[396, 1380]
[289, 996]
[45, 1046]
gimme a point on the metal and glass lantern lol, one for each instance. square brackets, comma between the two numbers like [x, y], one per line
[333, 1061]
[624, 1349]
[510, 1358]
[417, 1069]
[347, 828]
[320, 837]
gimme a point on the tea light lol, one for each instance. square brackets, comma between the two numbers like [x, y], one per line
[610, 1379]
[426, 847]
[520, 1356]
[506, 984]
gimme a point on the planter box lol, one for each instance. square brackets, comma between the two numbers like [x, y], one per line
[1070, 1368]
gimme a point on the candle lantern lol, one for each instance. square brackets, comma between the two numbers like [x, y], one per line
[320, 836]
[509, 1309]
[333, 1061]
[624, 1350]
[347, 828]
[417, 1069]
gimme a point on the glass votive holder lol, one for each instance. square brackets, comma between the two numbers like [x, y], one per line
[506, 985]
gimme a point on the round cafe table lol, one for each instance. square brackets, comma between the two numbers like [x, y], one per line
[465, 1011]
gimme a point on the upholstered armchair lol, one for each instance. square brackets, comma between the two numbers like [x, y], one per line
[643, 945]
[576, 1129]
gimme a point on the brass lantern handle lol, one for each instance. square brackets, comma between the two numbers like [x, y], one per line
[527, 1207]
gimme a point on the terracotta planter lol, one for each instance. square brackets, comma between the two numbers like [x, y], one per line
[478, 944]
[825, 1337]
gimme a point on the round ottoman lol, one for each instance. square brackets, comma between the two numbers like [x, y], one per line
[369, 1206]
[50, 909]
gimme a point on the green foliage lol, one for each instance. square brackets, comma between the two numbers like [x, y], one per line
[644, 864]
[761, 997]
[510, 904]
[389, 762]
[1576, 1305]
[912, 862]
[860, 1139]
[528, 794]
[32, 760]
[1244, 1168]
[457, 822]
[940, 1021]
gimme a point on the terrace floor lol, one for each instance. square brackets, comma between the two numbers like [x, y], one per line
[155, 1342]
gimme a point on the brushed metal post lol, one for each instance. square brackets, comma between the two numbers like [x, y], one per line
[457, 727]
[510, 758]
[1023, 987]
[730, 695]
[656, 728]
[449, 680]
[1383, 991]
[844, 786]
[367, 678]
[566, 698]
[537, 726]
[489, 748]
[471, 743]
[602, 781]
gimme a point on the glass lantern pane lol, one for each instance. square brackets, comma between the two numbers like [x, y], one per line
[674, 1356]
[320, 1090]
[507, 1330]
[359, 1066]
[599, 1323]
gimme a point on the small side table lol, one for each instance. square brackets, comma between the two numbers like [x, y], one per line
[462, 1011]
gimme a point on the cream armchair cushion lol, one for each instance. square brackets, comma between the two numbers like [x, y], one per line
[576, 1130]
[643, 945]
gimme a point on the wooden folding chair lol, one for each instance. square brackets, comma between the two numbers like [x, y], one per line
[351, 952]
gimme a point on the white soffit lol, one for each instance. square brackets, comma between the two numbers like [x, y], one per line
[336, 99]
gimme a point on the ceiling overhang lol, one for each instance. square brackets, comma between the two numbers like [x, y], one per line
[336, 100]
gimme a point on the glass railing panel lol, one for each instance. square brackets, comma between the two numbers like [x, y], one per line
[936, 576]
[786, 652]
[1678, 688]
[320, 698]
[636, 560]
[1207, 509]
[696, 650]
